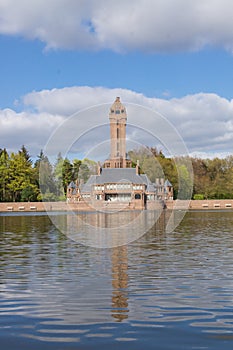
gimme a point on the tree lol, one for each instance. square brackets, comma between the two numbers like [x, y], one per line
[45, 177]
[185, 190]
[76, 166]
[213, 178]
[58, 176]
[58, 167]
[21, 175]
[87, 168]
[201, 178]
[139, 154]
[24, 152]
[170, 172]
[152, 168]
[151, 162]
[29, 193]
[67, 174]
[84, 173]
[21, 181]
[4, 174]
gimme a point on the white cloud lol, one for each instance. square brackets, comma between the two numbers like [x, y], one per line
[29, 129]
[204, 121]
[123, 25]
[67, 101]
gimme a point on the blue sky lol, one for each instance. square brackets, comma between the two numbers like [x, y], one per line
[26, 67]
[176, 59]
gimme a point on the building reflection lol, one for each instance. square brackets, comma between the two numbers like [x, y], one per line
[107, 230]
[120, 283]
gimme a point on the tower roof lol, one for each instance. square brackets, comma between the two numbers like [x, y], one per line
[72, 185]
[167, 183]
[117, 108]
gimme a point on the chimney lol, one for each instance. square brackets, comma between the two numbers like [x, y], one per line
[99, 169]
[137, 168]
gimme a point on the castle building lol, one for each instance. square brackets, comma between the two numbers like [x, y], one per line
[117, 182]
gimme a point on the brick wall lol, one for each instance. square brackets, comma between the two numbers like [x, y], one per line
[83, 206]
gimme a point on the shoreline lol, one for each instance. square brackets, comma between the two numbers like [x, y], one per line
[212, 204]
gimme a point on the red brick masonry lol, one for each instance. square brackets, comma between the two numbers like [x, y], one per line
[82, 206]
[201, 204]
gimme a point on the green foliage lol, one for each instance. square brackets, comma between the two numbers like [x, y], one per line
[67, 173]
[155, 165]
[46, 177]
[4, 175]
[58, 175]
[76, 166]
[20, 180]
[29, 193]
[49, 197]
[148, 160]
[213, 178]
[170, 172]
[86, 169]
[198, 196]
[20, 175]
[185, 181]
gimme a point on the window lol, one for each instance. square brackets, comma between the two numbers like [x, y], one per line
[137, 196]
[137, 187]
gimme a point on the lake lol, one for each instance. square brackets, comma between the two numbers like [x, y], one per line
[162, 291]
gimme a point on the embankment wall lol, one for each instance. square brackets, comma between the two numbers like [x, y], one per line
[83, 206]
[201, 204]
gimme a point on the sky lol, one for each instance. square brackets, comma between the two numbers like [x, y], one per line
[175, 57]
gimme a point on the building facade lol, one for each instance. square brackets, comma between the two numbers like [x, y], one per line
[117, 182]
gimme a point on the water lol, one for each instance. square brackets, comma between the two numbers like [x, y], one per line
[163, 291]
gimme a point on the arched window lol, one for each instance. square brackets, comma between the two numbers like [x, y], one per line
[137, 196]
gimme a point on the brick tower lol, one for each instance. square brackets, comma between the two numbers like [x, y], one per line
[118, 118]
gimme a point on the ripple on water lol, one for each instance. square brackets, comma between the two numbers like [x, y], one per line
[54, 291]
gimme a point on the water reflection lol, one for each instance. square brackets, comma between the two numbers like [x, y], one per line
[55, 290]
[106, 230]
[120, 283]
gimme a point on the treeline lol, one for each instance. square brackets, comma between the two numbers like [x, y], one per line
[212, 178]
[21, 179]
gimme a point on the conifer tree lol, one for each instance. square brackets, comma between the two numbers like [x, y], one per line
[4, 175]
